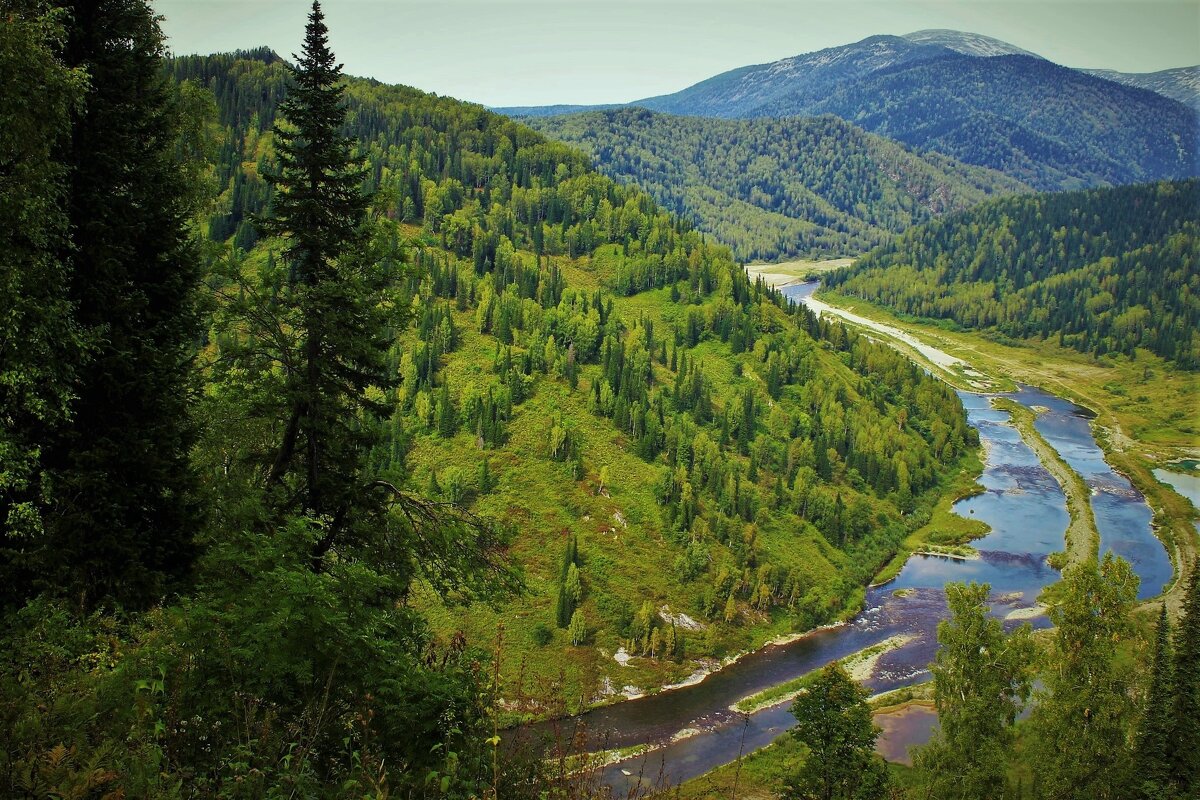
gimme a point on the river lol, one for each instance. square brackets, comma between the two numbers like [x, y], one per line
[693, 730]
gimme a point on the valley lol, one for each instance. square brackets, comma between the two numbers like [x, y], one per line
[824, 429]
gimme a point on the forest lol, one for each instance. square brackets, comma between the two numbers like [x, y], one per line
[262, 438]
[308, 381]
[778, 188]
[1102, 270]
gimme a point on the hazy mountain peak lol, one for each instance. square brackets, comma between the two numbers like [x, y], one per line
[972, 44]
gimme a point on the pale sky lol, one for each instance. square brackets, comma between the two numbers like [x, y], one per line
[537, 52]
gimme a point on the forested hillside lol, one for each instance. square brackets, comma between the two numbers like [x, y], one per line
[586, 369]
[793, 187]
[1105, 270]
[317, 374]
[1047, 125]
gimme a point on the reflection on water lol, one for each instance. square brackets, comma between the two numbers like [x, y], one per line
[1122, 514]
[901, 730]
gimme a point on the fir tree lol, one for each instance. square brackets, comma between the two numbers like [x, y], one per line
[1185, 738]
[125, 515]
[338, 326]
[1154, 748]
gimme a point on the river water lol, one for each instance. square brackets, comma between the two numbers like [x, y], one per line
[693, 729]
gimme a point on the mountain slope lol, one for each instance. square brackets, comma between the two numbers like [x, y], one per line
[1043, 124]
[1048, 125]
[661, 436]
[1105, 270]
[1181, 83]
[777, 188]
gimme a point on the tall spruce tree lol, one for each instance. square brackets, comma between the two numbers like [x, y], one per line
[122, 525]
[1185, 734]
[334, 310]
[1153, 749]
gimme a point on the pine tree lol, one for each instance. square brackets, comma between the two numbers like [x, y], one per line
[1185, 736]
[1154, 747]
[125, 514]
[333, 307]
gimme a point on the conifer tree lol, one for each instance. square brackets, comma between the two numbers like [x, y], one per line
[1153, 750]
[125, 514]
[1185, 738]
[333, 309]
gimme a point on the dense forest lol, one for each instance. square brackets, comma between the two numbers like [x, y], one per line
[1103, 270]
[777, 188]
[352, 355]
[781, 475]
[305, 378]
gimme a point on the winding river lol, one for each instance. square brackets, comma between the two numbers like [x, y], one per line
[693, 730]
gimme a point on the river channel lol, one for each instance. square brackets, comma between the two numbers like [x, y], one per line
[693, 730]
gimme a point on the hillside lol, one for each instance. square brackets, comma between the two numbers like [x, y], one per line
[777, 188]
[1050, 126]
[1104, 270]
[1043, 124]
[661, 437]
[1181, 83]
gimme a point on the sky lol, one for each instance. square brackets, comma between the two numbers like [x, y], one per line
[539, 52]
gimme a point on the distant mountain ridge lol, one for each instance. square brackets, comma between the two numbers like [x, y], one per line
[971, 44]
[1181, 83]
[977, 99]
[778, 188]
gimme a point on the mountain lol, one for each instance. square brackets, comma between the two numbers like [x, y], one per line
[686, 461]
[1104, 270]
[1181, 83]
[971, 44]
[778, 188]
[1043, 124]
[1050, 126]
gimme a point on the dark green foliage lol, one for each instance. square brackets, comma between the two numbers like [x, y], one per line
[777, 188]
[40, 342]
[1155, 747]
[833, 721]
[327, 339]
[1106, 270]
[1185, 733]
[123, 525]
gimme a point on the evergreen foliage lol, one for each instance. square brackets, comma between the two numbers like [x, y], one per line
[777, 188]
[1105, 270]
[125, 512]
